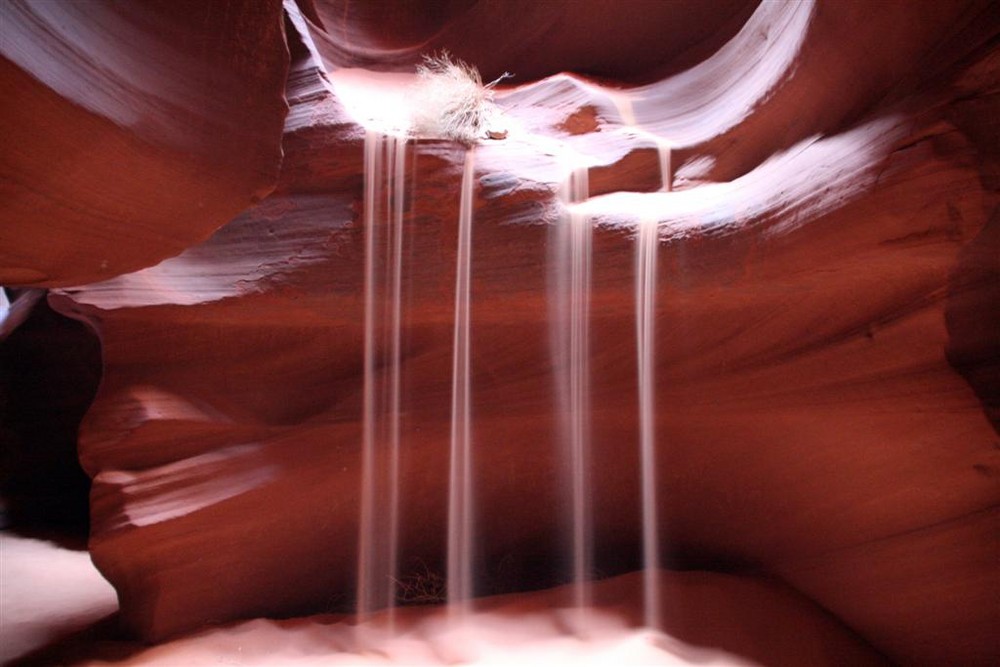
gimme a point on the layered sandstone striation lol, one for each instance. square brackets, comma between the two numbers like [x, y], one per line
[826, 332]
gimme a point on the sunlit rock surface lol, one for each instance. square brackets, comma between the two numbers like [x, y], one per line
[826, 345]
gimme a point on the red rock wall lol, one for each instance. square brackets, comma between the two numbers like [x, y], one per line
[135, 130]
[638, 41]
[812, 424]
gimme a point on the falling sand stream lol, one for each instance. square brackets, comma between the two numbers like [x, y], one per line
[570, 338]
[379, 521]
[570, 296]
[647, 244]
[461, 526]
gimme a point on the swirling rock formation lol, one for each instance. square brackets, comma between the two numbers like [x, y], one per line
[827, 267]
[136, 130]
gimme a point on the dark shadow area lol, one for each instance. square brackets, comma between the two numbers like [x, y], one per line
[50, 367]
[972, 315]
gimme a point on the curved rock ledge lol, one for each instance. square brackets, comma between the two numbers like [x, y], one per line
[134, 130]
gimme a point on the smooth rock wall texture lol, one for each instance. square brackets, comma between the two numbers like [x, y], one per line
[134, 130]
[826, 345]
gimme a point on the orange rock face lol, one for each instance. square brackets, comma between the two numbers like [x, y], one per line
[826, 334]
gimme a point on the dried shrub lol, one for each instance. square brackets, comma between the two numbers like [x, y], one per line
[422, 586]
[450, 100]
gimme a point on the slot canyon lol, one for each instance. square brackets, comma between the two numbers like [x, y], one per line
[687, 353]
